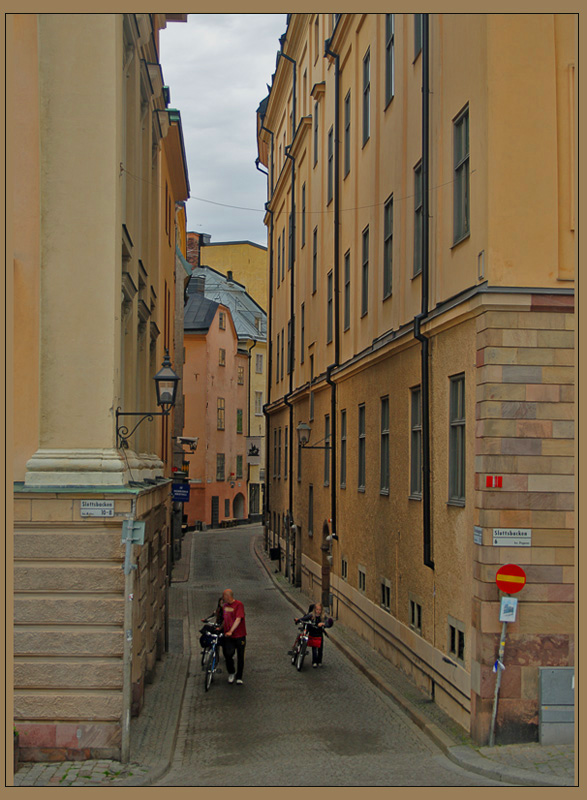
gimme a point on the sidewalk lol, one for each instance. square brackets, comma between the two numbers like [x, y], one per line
[529, 764]
[153, 733]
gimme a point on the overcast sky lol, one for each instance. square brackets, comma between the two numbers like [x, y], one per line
[217, 67]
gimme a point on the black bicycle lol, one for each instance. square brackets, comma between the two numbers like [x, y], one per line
[298, 651]
[210, 639]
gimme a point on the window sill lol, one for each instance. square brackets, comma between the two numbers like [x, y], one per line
[389, 102]
[345, 176]
[343, 485]
[460, 240]
[384, 492]
[364, 314]
[416, 274]
[361, 489]
[456, 503]
[387, 296]
[415, 497]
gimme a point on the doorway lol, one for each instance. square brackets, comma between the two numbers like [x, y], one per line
[215, 510]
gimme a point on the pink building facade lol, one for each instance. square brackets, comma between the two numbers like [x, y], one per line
[216, 394]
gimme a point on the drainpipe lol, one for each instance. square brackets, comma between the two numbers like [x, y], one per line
[336, 268]
[425, 352]
[251, 348]
[129, 577]
[270, 348]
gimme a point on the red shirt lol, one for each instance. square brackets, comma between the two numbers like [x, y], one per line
[231, 612]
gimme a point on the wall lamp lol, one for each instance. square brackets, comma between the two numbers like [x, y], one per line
[304, 431]
[166, 381]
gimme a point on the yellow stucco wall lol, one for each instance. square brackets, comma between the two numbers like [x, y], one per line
[247, 261]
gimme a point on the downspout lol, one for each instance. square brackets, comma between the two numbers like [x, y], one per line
[336, 268]
[266, 513]
[425, 353]
[291, 308]
[251, 348]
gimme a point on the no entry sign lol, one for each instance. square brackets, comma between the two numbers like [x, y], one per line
[510, 578]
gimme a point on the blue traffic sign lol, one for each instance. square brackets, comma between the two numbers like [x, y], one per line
[180, 492]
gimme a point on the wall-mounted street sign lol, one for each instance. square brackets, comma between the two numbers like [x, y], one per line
[510, 578]
[97, 508]
[180, 492]
[512, 537]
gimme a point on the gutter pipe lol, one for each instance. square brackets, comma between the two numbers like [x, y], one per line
[425, 352]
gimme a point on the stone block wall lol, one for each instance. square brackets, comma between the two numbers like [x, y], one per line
[524, 433]
[69, 619]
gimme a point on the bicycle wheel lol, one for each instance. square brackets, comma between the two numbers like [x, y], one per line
[209, 677]
[294, 651]
[301, 656]
[205, 657]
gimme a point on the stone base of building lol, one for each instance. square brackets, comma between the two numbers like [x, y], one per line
[67, 741]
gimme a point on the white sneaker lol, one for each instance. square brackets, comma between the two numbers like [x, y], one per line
[239, 681]
[231, 678]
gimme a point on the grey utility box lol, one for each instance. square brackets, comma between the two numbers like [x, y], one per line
[557, 705]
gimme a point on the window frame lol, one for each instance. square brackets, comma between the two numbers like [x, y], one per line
[302, 331]
[303, 217]
[329, 307]
[384, 470]
[416, 443]
[222, 320]
[385, 604]
[239, 421]
[330, 167]
[461, 185]
[388, 248]
[327, 450]
[389, 58]
[362, 449]
[314, 259]
[347, 133]
[239, 473]
[347, 291]
[418, 35]
[220, 467]
[343, 448]
[220, 413]
[365, 272]
[316, 123]
[457, 441]
[418, 220]
[221, 356]
[366, 96]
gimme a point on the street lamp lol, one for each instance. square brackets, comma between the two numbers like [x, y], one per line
[166, 381]
[304, 431]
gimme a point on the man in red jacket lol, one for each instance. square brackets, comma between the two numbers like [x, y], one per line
[235, 635]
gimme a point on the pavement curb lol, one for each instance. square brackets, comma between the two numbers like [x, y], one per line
[462, 755]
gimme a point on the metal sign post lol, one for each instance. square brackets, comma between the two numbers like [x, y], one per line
[510, 579]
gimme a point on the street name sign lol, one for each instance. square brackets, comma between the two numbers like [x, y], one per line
[512, 537]
[510, 578]
[180, 492]
[97, 508]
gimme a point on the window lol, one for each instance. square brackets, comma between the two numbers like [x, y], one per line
[389, 58]
[275, 453]
[302, 331]
[241, 376]
[362, 438]
[239, 420]
[316, 38]
[343, 449]
[344, 569]
[219, 466]
[239, 466]
[285, 460]
[456, 444]
[387, 247]
[417, 34]
[315, 133]
[289, 346]
[277, 365]
[386, 594]
[283, 255]
[416, 445]
[416, 616]
[222, 357]
[278, 260]
[227, 508]
[279, 453]
[222, 320]
[366, 97]
[259, 363]
[362, 579]
[418, 218]
[365, 274]
[290, 238]
[258, 403]
[282, 358]
[220, 414]
[329, 308]
[303, 226]
[347, 290]
[384, 479]
[314, 259]
[347, 134]
[330, 164]
[327, 450]
[461, 183]
[456, 639]
[310, 510]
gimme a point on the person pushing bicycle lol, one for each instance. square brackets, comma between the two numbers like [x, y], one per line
[318, 621]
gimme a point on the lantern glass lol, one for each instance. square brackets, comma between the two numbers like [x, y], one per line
[304, 431]
[166, 381]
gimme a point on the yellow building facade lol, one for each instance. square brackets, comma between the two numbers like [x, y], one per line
[421, 297]
[99, 168]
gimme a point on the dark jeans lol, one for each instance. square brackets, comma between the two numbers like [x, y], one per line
[229, 645]
[317, 654]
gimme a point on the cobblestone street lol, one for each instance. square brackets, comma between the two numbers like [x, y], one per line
[328, 726]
